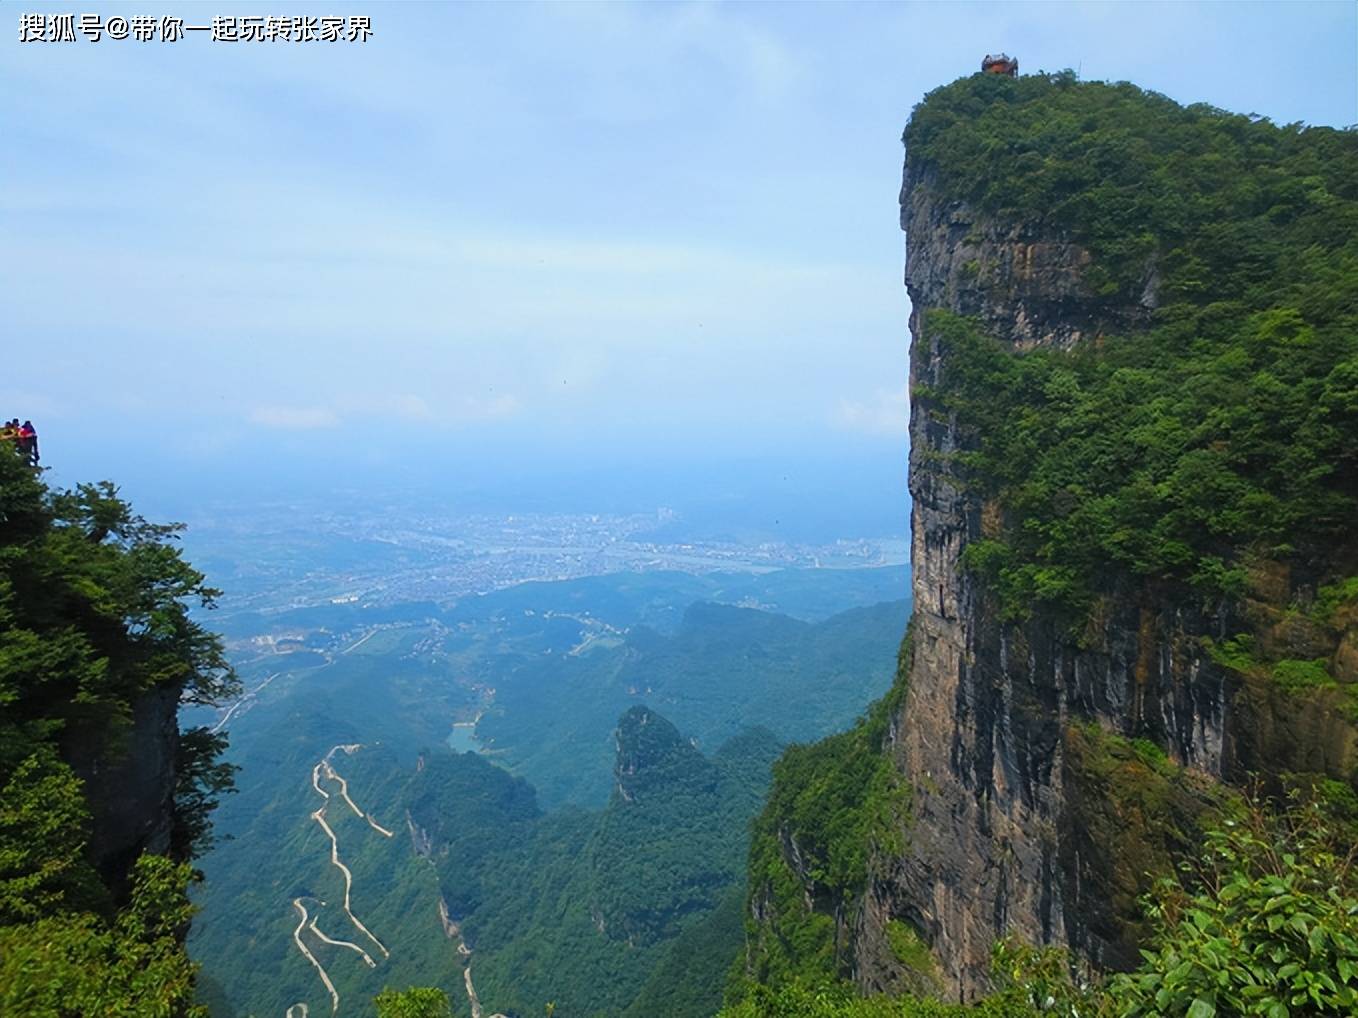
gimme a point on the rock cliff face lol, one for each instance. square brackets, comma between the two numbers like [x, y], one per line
[1016, 829]
[1026, 285]
[1135, 574]
[130, 785]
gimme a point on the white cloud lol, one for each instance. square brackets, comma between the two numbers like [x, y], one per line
[885, 412]
[410, 407]
[447, 409]
[294, 418]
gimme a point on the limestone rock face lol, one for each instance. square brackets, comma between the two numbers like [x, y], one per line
[1027, 286]
[1005, 837]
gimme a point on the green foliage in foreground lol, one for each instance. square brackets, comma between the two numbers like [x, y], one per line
[76, 964]
[94, 614]
[800, 1002]
[416, 1002]
[1266, 924]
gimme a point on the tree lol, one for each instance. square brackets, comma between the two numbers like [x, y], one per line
[1266, 924]
[95, 615]
[73, 965]
[416, 1002]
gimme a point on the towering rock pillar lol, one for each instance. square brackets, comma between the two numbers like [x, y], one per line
[980, 737]
[983, 755]
[1054, 759]
[1028, 820]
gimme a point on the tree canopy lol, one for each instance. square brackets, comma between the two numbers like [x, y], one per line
[94, 615]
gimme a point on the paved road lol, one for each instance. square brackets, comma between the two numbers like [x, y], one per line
[306, 952]
[319, 817]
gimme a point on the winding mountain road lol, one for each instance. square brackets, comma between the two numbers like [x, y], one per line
[334, 775]
[326, 768]
[245, 701]
[341, 943]
[319, 817]
[306, 953]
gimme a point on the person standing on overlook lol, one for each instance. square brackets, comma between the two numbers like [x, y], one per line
[28, 442]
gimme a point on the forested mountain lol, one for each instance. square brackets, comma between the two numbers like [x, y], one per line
[102, 800]
[556, 904]
[1134, 471]
[722, 669]
[361, 852]
[572, 908]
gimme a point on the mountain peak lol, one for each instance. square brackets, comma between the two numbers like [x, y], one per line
[652, 754]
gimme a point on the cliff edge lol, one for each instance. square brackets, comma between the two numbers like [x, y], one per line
[1133, 371]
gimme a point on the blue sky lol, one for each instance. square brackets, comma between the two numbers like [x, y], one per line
[515, 233]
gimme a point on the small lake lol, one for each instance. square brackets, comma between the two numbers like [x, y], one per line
[462, 739]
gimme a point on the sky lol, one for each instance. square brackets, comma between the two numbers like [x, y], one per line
[507, 243]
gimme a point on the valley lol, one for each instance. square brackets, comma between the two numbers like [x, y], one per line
[451, 785]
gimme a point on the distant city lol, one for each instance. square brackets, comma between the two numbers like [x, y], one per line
[282, 556]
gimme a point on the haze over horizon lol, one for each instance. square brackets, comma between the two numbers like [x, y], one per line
[524, 248]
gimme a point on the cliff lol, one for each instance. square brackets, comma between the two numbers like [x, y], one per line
[130, 783]
[102, 799]
[1126, 602]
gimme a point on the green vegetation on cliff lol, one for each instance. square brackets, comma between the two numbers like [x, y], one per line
[94, 623]
[1225, 432]
[1197, 449]
[1221, 206]
[1179, 456]
[831, 805]
[1209, 458]
[1263, 923]
[1132, 813]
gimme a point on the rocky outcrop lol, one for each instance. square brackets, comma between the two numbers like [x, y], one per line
[421, 843]
[130, 780]
[1025, 284]
[1015, 792]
